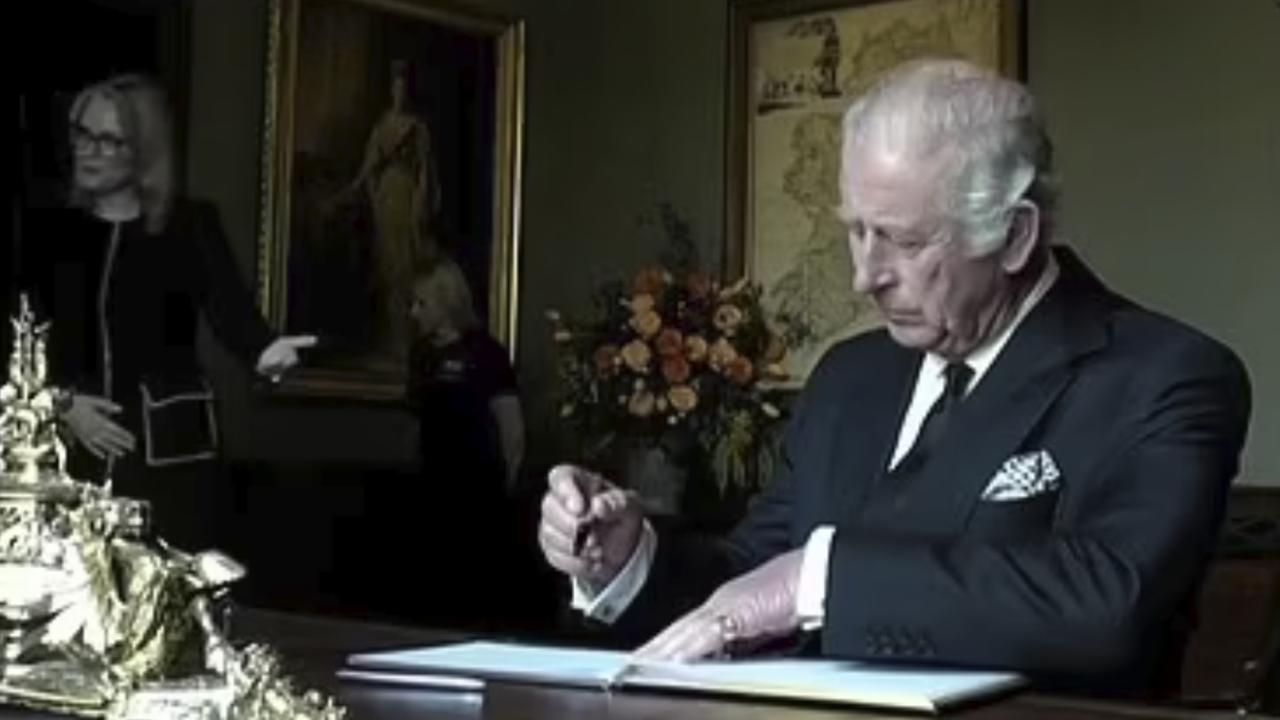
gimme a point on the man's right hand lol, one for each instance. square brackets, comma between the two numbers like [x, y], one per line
[577, 497]
[89, 419]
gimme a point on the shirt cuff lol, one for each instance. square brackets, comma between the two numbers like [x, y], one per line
[811, 594]
[618, 595]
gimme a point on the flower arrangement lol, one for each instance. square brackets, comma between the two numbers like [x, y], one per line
[665, 355]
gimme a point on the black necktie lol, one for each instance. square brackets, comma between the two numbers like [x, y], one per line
[934, 427]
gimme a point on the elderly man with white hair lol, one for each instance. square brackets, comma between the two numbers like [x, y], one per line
[1021, 470]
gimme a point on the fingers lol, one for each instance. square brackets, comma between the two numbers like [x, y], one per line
[111, 440]
[559, 552]
[694, 636]
[558, 548]
[571, 485]
[565, 508]
[117, 437]
[610, 504]
[94, 450]
[300, 341]
[282, 354]
[99, 404]
[558, 523]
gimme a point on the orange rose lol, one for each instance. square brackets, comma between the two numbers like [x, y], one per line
[683, 398]
[695, 348]
[700, 285]
[675, 369]
[721, 354]
[646, 324]
[605, 358]
[669, 342]
[727, 318]
[640, 303]
[775, 371]
[649, 281]
[641, 404]
[739, 370]
[636, 355]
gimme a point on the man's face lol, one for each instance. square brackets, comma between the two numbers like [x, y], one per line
[101, 154]
[911, 261]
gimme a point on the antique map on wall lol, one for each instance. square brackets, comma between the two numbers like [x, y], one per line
[805, 71]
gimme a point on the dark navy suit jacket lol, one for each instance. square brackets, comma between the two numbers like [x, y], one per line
[1089, 587]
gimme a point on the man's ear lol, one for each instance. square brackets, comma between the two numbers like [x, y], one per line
[1023, 237]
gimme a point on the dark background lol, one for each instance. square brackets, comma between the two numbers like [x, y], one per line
[451, 88]
[351, 539]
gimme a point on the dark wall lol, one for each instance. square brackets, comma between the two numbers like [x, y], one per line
[624, 110]
[1168, 150]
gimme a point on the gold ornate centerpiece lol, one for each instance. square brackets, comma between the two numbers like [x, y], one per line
[98, 617]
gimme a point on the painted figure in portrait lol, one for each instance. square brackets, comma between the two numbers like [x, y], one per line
[398, 179]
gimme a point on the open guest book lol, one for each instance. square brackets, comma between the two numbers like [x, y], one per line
[829, 681]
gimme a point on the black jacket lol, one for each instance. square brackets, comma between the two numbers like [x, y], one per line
[1087, 588]
[158, 286]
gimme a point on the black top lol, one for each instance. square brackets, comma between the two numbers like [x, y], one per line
[450, 389]
[157, 284]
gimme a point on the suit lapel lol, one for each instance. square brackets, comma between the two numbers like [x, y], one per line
[1029, 375]
[869, 420]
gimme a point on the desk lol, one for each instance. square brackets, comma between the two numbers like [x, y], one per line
[314, 648]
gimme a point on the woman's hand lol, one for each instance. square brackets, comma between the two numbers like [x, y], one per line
[281, 355]
[89, 419]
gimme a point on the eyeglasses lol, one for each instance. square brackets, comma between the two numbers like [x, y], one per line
[86, 142]
[897, 244]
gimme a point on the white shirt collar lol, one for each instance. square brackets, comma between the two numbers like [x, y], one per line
[984, 356]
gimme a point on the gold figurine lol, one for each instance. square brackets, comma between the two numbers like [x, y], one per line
[97, 618]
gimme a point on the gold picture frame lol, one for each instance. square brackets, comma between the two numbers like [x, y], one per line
[794, 66]
[392, 135]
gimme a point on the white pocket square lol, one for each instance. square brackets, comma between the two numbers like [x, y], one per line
[1022, 477]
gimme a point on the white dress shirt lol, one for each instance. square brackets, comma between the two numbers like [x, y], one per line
[811, 593]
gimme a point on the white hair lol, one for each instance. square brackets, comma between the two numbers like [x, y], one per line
[984, 129]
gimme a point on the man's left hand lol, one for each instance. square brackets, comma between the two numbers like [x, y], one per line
[749, 609]
[282, 355]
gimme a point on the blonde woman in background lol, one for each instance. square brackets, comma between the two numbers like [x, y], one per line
[463, 392]
[460, 381]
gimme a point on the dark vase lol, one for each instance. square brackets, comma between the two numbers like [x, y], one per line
[657, 475]
[675, 485]
[659, 470]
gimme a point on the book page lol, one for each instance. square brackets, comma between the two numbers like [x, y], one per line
[904, 687]
[528, 663]
[833, 681]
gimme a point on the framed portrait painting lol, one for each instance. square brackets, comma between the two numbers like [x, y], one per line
[392, 138]
[795, 66]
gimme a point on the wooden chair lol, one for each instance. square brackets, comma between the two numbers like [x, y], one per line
[1233, 658]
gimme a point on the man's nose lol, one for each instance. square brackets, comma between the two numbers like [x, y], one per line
[870, 272]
